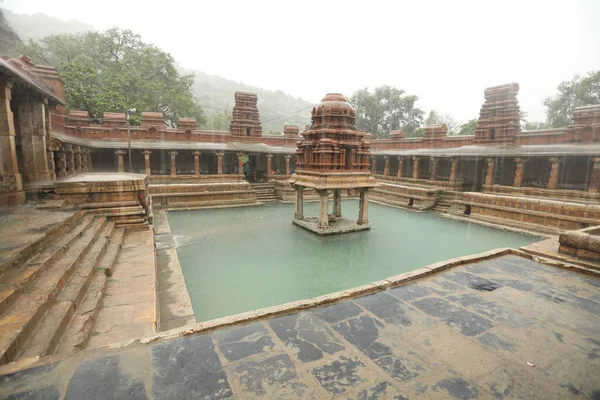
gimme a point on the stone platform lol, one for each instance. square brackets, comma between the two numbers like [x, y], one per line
[498, 327]
[337, 226]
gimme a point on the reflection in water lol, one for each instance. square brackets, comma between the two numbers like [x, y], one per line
[241, 259]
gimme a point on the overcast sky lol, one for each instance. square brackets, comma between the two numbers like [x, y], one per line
[446, 52]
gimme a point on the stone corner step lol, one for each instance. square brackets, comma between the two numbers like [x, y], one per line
[52, 326]
[51, 204]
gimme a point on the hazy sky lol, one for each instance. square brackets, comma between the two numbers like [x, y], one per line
[446, 52]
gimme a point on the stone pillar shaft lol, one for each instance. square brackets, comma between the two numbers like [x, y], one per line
[287, 164]
[84, 160]
[415, 167]
[120, 162]
[197, 163]
[337, 203]
[269, 163]
[147, 168]
[71, 168]
[90, 167]
[51, 163]
[373, 165]
[10, 178]
[220, 155]
[519, 172]
[453, 165]
[594, 185]
[240, 162]
[299, 213]
[554, 173]
[363, 210]
[33, 131]
[386, 166]
[489, 176]
[173, 163]
[323, 221]
[400, 167]
[62, 164]
[78, 164]
[434, 165]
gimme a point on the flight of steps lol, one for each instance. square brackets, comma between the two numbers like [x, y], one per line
[50, 299]
[265, 192]
[124, 213]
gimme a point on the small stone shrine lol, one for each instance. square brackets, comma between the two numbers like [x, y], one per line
[333, 156]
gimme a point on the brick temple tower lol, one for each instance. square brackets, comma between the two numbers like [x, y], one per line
[499, 117]
[245, 119]
[333, 156]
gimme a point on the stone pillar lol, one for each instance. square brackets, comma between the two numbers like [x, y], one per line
[323, 221]
[33, 132]
[489, 176]
[594, 185]
[269, 160]
[147, 168]
[83, 156]
[373, 165]
[220, 155]
[90, 167]
[434, 164]
[386, 166]
[71, 168]
[51, 163]
[77, 157]
[519, 172]
[299, 214]
[121, 163]
[240, 162]
[363, 207]
[62, 164]
[453, 165]
[554, 173]
[10, 179]
[337, 203]
[288, 157]
[173, 163]
[400, 167]
[197, 162]
[415, 167]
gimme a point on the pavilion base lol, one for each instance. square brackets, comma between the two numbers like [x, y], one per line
[337, 226]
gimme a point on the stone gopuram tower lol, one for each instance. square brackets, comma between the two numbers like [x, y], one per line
[333, 156]
[245, 119]
[499, 117]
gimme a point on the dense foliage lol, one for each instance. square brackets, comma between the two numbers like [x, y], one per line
[386, 109]
[579, 91]
[114, 71]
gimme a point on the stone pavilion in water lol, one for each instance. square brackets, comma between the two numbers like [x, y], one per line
[333, 157]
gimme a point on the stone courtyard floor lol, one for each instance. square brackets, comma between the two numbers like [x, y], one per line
[504, 328]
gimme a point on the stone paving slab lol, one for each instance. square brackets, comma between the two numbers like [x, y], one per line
[503, 328]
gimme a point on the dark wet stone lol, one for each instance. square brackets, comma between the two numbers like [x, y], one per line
[458, 388]
[472, 281]
[307, 334]
[385, 307]
[594, 352]
[572, 389]
[26, 375]
[363, 333]
[493, 341]
[409, 292]
[339, 376]
[559, 336]
[380, 391]
[442, 286]
[556, 296]
[188, 368]
[338, 312]
[396, 367]
[103, 378]
[279, 372]
[517, 284]
[492, 310]
[47, 393]
[243, 341]
[470, 324]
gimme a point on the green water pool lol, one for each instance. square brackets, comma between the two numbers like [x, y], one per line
[242, 259]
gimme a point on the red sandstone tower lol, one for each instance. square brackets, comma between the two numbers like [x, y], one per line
[499, 117]
[333, 156]
[245, 119]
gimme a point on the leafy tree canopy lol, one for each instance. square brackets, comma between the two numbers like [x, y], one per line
[114, 71]
[579, 91]
[438, 118]
[468, 128]
[219, 120]
[386, 109]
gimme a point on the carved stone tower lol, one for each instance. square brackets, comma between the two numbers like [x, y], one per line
[245, 119]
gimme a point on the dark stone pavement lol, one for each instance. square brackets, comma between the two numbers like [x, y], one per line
[466, 333]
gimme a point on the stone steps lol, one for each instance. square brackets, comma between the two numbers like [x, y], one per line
[33, 323]
[265, 192]
[80, 328]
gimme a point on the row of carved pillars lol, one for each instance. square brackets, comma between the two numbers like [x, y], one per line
[555, 164]
[323, 217]
[68, 160]
[173, 167]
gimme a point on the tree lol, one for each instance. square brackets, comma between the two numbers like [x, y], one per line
[579, 91]
[219, 120]
[468, 128]
[386, 109]
[113, 71]
[527, 125]
[438, 118]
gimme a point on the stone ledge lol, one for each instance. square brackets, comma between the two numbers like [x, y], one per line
[337, 226]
